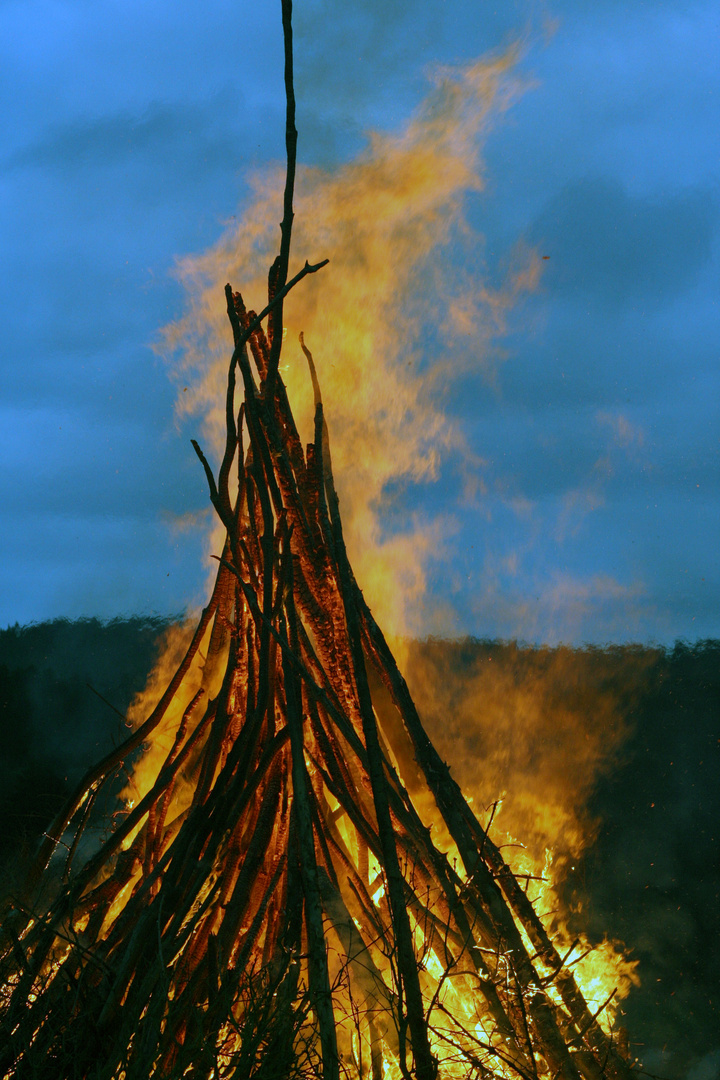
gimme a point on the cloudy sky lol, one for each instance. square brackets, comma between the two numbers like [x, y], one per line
[587, 500]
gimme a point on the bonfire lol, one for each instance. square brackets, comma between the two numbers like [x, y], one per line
[301, 889]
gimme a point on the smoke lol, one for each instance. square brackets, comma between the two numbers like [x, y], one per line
[533, 730]
[531, 734]
[402, 312]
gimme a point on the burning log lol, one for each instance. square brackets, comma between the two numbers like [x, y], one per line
[274, 904]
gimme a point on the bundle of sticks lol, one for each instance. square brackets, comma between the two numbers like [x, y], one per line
[301, 888]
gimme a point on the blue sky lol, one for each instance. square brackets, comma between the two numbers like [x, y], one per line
[129, 132]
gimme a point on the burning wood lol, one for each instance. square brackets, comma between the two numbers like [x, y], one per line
[275, 905]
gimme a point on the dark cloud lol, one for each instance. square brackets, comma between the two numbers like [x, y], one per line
[105, 140]
[370, 68]
[182, 139]
[606, 243]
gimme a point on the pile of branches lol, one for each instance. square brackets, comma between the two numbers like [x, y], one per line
[274, 904]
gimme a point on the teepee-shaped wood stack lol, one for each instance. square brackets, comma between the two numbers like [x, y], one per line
[275, 904]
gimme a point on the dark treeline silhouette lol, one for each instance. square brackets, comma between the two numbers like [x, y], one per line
[652, 877]
[609, 755]
[53, 726]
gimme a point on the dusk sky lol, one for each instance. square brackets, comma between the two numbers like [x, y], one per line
[584, 503]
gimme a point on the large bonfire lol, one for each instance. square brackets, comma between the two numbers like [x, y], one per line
[301, 889]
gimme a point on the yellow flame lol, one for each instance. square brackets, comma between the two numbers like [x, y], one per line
[392, 321]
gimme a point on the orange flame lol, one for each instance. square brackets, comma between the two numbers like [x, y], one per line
[392, 223]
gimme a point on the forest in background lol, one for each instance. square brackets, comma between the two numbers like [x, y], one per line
[611, 755]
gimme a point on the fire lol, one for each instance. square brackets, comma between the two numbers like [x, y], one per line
[297, 886]
[535, 732]
[391, 222]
